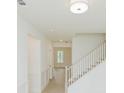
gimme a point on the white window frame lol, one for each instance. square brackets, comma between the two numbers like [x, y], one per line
[60, 56]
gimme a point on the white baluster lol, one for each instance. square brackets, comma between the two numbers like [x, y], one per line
[91, 60]
[66, 79]
[100, 55]
[88, 62]
[104, 51]
[85, 64]
[80, 69]
[77, 69]
[71, 74]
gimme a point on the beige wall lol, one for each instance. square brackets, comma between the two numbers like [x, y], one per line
[67, 56]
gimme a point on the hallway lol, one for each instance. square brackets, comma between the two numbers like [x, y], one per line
[56, 85]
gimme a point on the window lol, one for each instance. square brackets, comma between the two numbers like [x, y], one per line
[60, 56]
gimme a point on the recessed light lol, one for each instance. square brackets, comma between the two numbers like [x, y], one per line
[61, 40]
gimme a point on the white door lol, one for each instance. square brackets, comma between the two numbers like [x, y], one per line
[34, 74]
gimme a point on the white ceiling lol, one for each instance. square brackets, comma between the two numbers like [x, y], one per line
[47, 15]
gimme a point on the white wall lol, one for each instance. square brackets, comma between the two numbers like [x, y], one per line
[46, 59]
[62, 44]
[34, 65]
[24, 29]
[93, 82]
[84, 43]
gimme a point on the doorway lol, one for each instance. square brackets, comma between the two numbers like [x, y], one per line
[62, 56]
[34, 61]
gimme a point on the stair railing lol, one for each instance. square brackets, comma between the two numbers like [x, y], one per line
[85, 64]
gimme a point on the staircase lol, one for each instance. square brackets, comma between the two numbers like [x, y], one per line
[77, 70]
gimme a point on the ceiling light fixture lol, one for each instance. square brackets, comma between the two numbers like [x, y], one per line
[61, 40]
[78, 6]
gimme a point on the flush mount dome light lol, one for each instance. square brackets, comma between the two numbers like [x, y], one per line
[79, 6]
